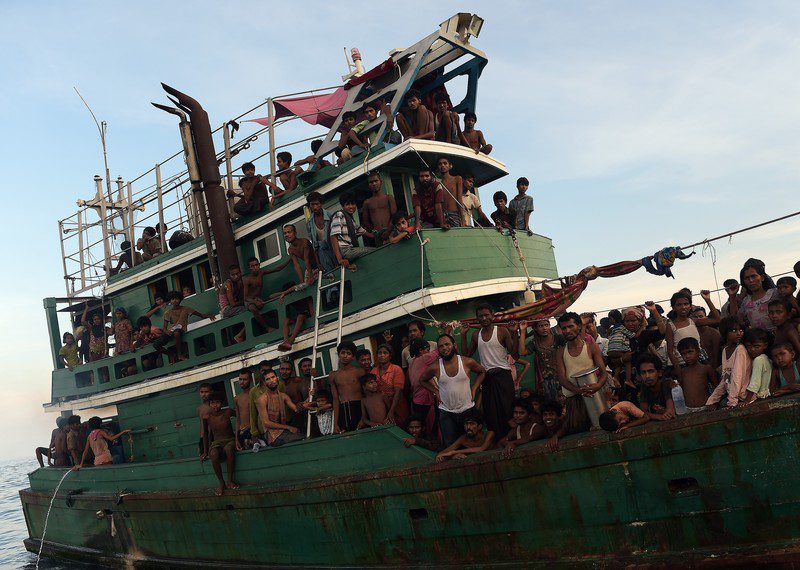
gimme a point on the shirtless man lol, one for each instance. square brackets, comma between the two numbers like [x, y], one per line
[446, 122]
[50, 450]
[454, 190]
[75, 439]
[254, 194]
[346, 389]
[286, 175]
[415, 120]
[378, 209]
[297, 389]
[472, 138]
[202, 411]
[272, 406]
[217, 427]
[244, 439]
[300, 249]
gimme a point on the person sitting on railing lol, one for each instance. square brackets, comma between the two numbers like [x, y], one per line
[300, 249]
[55, 452]
[149, 244]
[254, 195]
[286, 175]
[445, 122]
[311, 160]
[344, 232]
[176, 321]
[253, 299]
[371, 111]
[217, 430]
[428, 200]
[472, 138]
[318, 227]
[378, 209]
[350, 143]
[124, 261]
[453, 192]
[415, 120]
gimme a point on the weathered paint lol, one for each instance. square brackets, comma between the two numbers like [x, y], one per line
[706, 489]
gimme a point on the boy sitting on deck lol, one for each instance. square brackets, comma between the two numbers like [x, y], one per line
[217, 427]
[474, 440]
[785, 374]
[311, 160]
[350, 143]
[445, 122]
[254, 194]
[695, 377]
[176, 321]
[472, 138]
[378, 209]
[374, 403]
[286, 175]
[415, 120]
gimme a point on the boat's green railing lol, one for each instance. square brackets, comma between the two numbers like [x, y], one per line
[449, 259]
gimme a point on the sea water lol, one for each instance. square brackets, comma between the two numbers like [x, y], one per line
[13, 477]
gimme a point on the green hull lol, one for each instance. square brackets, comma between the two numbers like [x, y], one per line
[709, 489]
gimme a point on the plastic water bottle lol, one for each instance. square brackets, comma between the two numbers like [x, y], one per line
[257, 446]
[678, 400]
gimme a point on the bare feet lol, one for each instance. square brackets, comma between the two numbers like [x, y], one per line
[285, 346]
[220, 490]
[233, 485]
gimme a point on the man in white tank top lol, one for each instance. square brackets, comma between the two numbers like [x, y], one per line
[494, 345]
[585, 403]
[455, 394]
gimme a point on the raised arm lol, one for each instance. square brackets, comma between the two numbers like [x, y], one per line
[713, 317]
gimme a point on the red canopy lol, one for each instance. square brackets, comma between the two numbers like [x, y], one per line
[313, 109]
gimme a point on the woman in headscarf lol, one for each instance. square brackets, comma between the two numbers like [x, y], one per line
[760, 290]
[98, 335]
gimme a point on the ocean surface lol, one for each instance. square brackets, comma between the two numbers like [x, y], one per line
[13, 477]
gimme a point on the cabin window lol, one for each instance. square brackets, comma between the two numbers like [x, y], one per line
[125, 369]
[158, 289]
[268, 248]
[204, 345]
[272, 320]
[183, 279]
[206, 279]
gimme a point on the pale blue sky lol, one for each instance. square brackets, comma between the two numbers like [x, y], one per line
[640, 125]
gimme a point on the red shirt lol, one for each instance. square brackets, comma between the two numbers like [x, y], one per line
[427, 198]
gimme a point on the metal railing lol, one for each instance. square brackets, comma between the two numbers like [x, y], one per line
[91, 238]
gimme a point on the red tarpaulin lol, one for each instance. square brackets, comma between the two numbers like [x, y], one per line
[313, 109]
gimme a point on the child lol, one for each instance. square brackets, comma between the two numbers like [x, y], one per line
[402, 229]
[735, 365]
[149, 244]
[553, 423]
[694, 376]
[472, 213]
[756, 342]
[350, 143]
[416, 429]
[503, 217]
[785, 376]
[622, 416]
[98, 442]
[780, 311]
[787, 285]
[374, 404]
[472, 138]
[254, 194]
[217, 427]
[445, 122]
[244, 437]
[364, 358]
[123, 332]
[522, 204]
[68, 355]
[474, 440]
[286, 175]
[523, 430]
[323, 412]
[682, 325]
[655, 395]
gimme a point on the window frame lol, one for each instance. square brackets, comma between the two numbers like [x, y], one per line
[273, 259]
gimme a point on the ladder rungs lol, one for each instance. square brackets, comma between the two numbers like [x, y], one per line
[325, 315]
[328, 285]
[326, 344]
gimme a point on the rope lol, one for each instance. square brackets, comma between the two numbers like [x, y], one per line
[47, 517]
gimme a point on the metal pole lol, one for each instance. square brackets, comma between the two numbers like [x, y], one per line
[120, 198]
[314, 349]
[130, 223]
[103, 223]
[63, 255]
[80, 249]
[271, 120]
[226, 137]
[161, 225]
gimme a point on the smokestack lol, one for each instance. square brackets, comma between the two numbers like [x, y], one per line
[211, 180]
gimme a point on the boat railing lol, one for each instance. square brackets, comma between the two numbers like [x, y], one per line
[161, 198]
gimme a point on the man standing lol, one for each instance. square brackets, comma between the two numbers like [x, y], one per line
[428, 201]
[244, 439]
[377, 211]
[318, 226]
[453, 193]
[494, 345]
[346, 389]
[300, 249]
[455, 394]
[573, 362]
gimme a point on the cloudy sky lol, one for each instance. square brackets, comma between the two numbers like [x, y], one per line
[640, 125]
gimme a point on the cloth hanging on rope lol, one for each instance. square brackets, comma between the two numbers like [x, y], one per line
[661, 262]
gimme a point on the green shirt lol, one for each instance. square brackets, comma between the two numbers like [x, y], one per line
[760, 377]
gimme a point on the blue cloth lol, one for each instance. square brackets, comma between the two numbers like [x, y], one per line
[661, 262]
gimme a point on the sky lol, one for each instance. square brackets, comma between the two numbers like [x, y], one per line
[640, 125]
